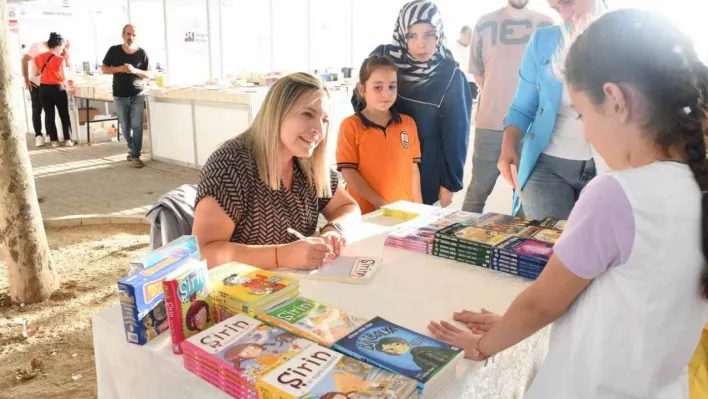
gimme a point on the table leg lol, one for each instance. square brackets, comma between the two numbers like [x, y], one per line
[88, 127]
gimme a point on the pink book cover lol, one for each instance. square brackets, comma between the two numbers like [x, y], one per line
[235, 393]
[218, 380]
[225, 374]
[245, 347]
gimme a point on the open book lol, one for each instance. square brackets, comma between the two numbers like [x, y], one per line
[345, 269]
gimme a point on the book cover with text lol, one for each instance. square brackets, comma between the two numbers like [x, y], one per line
[245, 347]
[187, 302]
[313, 320]
[398, 349]
[243, 288]
[526, 248]
[321, 373]
[343, 269]
[473, 235]
[503, 223]
[548, 235]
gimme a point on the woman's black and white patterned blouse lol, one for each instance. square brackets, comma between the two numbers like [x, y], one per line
[261, 215]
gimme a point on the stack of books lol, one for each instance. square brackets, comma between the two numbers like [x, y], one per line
[238, 288]
[467, 244]
[391, 347]
[552, 223]
[420, 237]
[522, 257]
[234, 354]
[540, 233]
[503, 223]
[313, 320]
[249, 359]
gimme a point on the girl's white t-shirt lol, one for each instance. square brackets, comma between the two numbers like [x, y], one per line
[631, 333]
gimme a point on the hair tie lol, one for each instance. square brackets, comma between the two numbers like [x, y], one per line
[687, 110]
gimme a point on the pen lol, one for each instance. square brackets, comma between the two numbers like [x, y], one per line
[296, 233]
[299, 236]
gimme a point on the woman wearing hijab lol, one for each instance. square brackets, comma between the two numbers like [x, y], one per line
[435, 93]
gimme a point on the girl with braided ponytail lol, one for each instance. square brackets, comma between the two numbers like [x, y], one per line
[627, 286]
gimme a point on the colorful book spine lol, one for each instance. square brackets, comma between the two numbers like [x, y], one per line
[187, 302]
[174, 315]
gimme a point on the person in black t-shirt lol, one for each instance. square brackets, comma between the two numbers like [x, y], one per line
[129, 66]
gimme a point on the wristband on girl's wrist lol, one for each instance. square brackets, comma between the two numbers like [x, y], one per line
[485, 357]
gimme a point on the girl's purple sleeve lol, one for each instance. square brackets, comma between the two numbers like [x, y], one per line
[600, 231]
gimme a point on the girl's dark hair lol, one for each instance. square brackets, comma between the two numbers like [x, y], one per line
[368, 67]
[373, 63]
[644, 51]
[55, 40]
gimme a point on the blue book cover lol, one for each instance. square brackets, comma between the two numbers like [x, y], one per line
[394, 348]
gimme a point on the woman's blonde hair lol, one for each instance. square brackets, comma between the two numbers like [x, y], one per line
[570, 33]
[263, 135]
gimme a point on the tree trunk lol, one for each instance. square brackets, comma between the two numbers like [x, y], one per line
[32, 277]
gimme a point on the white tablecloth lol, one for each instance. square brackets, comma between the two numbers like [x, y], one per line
[410, 290]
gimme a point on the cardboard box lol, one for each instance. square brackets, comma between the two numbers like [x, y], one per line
[93, 112]
[142, 301]
[183, 247]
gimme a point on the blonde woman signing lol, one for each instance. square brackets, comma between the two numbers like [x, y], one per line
[557, 161]
[272, 178]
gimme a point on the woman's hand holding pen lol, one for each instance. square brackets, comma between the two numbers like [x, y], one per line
[303, 254]
[335, 240]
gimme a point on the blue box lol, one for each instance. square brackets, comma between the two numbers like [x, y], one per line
[142, 300]
[183, 247]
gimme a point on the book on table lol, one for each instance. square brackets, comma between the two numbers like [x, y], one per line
[504, 223]
[343, 269]
[522, 257]
[239, 288]
[250, 359]
[391, 347]
[187, 302]
[420, 237]
[313, 320]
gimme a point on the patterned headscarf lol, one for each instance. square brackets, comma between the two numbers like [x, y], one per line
[413, 71]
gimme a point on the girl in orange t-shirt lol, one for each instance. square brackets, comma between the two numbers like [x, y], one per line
[52, 89]
[378, 150]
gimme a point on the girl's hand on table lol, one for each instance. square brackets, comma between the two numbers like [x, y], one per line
[467, 340]
[479, 323]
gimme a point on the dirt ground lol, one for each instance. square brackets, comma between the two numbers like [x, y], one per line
[54, 338]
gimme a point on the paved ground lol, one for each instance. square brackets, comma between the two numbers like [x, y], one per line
[98, 180]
